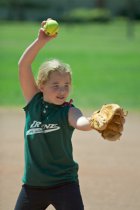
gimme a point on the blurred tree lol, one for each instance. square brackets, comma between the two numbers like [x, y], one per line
[131, 6]
[15, 10]
[100, 3]
[38, 9]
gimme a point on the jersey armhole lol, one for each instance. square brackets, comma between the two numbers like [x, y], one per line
[70, 127]
[35, 97]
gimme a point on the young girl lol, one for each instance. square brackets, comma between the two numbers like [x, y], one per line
[50, 173]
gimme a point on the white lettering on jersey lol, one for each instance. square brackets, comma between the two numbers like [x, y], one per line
[38, 127]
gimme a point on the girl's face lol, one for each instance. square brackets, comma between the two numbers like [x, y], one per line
[57, 88]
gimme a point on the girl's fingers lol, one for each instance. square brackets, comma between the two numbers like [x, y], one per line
[43, 23]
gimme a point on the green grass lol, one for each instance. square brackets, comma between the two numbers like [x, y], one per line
[104, 60]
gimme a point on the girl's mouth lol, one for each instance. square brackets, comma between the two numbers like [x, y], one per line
[61, 97]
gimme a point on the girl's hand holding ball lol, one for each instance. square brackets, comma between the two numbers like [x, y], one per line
[51, 27]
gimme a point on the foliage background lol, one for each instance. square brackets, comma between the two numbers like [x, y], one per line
[104, 59]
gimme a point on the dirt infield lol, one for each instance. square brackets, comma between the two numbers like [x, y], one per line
[109, 171]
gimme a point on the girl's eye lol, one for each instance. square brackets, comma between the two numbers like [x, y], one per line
[67, 86]
[55, 87]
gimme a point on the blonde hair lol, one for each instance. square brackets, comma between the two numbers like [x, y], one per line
[50, 66]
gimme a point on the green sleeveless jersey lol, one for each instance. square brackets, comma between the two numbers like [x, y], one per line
[48, 147]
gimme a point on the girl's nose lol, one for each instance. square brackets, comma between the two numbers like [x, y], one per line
[62, 89]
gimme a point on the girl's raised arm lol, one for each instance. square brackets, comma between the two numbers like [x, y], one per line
[27, 81]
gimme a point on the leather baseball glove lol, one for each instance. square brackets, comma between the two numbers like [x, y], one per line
[109, 121]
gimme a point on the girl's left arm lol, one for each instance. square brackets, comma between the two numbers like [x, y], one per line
[78, 120]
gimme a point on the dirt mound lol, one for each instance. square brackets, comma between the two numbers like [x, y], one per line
[109, 171]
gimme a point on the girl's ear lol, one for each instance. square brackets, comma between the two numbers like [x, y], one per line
[41, 87]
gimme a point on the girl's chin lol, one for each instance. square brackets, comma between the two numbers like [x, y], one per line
[57, 101]
[60, 100]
